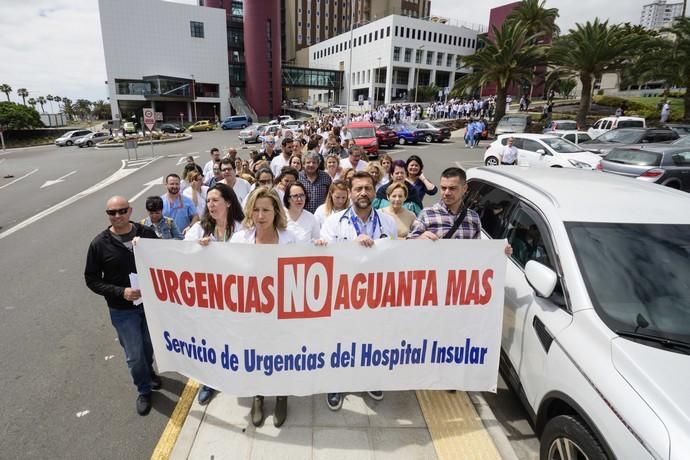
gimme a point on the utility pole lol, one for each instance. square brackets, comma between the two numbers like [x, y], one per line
[349, 67]
[416, 76]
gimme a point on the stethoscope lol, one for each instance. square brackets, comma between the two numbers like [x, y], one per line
[350, 217]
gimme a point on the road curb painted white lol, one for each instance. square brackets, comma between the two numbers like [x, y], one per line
[493, 426]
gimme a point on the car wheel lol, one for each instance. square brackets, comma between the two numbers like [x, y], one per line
[89, 143]
[491, 161]
[257, 140]
[566, 437]
[556, 166]
[243, 126]
[428, 139]
[673, 184]
[68, 143]
[402, 141]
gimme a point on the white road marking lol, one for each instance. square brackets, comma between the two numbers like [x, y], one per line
[109, 357]
[116, 176]
[10, 307]
[80, 414]
[183, 159]
[48, 183]
[19, 178]
[149, 185]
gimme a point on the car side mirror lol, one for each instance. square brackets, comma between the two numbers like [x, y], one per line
[541, 151]
[541, 278]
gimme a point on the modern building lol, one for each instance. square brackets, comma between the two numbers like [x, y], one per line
[168, 56]
[385, 59]
[660, 14]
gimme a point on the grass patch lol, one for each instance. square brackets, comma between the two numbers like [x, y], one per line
[645, 107]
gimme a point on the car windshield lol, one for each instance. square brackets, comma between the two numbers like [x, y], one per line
[561, 145]
[362, 132]
[407, 127]
[620, 136]
[566, 125]
[513, 121]
[636, 275]
[634, 157]
[685, 140]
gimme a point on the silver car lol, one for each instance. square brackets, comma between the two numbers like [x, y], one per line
[92, 139]
[70, 137]
[667, 165]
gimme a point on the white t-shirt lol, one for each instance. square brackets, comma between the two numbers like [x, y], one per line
[248, 236]
[277, 164]
[346, 164]
[196, 232]
[242, 188]
[208, 171]
[306, 228]
[201, 205]
[509, 155]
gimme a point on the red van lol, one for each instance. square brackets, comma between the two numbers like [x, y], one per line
[364, 134]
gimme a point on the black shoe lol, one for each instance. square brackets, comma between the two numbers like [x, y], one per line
[156, 382]
[205, 395]
[144, 404]
[280, 412]
[334, 400]
[257, 412]
[376, 395]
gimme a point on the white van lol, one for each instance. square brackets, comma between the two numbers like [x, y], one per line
[607, 124]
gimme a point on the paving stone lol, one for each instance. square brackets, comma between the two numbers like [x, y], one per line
[342, 444]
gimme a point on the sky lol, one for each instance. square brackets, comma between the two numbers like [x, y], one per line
[55, 46]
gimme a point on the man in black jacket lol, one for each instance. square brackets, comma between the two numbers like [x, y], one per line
[109, 262]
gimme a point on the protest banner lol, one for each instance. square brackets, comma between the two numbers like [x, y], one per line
[300, 319]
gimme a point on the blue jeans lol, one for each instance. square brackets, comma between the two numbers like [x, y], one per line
[133, 334]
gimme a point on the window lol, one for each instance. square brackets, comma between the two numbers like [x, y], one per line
[464, 42]
[424, 35]
[449, 60]
[493, 206]
[429, 57]
[408, 54]
[407, 32]
[370, 35]
[197, 29]
[455, 41]
[532, 146]
[376, 35]
[414, 34]
[396, 53]
[396, 31]
[527, 240]
[388, 31]
[435, 37]
[439, 59]
[418, 57]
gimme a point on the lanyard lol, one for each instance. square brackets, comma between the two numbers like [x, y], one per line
[374, 222]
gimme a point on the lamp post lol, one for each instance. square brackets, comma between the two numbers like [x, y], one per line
[194, 96]
[349, 67]
[416, 78]
[376, 83]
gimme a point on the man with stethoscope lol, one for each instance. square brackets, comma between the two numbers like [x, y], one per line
[360, 222]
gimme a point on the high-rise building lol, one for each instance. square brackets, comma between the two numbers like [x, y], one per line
[317, 20]
[660, 14]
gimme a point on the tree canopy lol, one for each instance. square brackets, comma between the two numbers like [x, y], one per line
[18, 116]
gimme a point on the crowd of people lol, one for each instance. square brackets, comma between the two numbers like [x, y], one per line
[311, 188]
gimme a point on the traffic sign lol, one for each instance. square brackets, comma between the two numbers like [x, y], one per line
[149, 118]
[159, 116]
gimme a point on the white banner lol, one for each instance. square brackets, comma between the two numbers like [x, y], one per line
[301, 320]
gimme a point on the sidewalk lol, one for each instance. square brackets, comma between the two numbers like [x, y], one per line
[405, 425]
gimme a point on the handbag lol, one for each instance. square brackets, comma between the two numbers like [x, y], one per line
[456, 224]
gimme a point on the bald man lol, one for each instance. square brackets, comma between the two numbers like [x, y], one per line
[109, 262]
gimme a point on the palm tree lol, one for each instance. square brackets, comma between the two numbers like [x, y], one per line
[101, 109]
[7, 89]
[669, 60]
[50, 99]
[591, 50]
[67, 107]
[539, 20]
[41, 100]
[32, 102]
[57, 99]
[83, 108]
[508, 58]
[23, 93]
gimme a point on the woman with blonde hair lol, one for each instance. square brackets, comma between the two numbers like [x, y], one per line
[396, 193]
[336, 200]
[333, 166]
[265, 222]
[375, 170]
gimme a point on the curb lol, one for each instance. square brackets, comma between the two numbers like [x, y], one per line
[492, 426]
[164, 141]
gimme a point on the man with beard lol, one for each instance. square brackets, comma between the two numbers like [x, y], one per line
[364, 224]
[179, 208]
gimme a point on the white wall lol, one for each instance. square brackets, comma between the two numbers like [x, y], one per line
[153, 37]
[365, 57]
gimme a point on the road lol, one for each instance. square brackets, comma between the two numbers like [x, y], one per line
[66, 390]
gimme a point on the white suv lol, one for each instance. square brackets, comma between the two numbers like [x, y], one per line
[607, 124]
[596, 323]
[542, 150]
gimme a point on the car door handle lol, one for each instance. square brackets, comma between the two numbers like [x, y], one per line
[544, 336]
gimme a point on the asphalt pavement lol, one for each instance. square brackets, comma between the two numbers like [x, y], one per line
[66, 389]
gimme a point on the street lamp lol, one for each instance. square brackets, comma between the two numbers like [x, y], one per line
[416, 78]
[194, 95]
[376, 87]
[349, 67]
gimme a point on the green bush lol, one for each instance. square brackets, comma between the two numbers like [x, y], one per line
[614, 101]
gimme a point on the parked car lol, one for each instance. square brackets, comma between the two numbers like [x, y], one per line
[292, 124]
[70, 137]
[236, 122]
[514, 124]
[665, 165]
[364, 134]
[408, 134]
[555, 125]
[433, 132]
[576, 137]
[607, 124]
[542, 150]
[252, 134]
[386, 136]
[338, 108]
[629, 136]
[683, 140]
[171, 128]
[129, 127]
[92, 139]
[681, 129]
[203, 125]
[596, 322]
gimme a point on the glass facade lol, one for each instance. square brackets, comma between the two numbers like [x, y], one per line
[303, 77]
